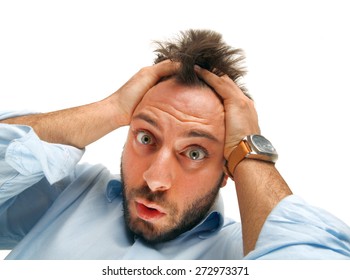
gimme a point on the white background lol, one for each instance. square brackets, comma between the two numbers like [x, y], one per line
[59, 54]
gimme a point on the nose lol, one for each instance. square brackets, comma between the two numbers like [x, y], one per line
[159, 174]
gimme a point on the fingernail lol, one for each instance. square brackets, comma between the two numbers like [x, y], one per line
[197, 67]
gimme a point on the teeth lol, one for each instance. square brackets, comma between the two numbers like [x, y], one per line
[150, 208]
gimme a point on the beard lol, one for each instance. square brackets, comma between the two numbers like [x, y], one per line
[178, 222]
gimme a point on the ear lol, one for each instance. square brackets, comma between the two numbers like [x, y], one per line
[224, 181]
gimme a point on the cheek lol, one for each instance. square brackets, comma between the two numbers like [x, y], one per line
[206, 179]
[191, 186]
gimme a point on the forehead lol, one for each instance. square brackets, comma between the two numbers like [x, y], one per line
[183, 102]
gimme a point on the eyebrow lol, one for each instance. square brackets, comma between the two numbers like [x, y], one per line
[192, 133]
[201, 134]
[147, 119]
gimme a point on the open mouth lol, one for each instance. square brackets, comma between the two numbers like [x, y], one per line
[148, 212]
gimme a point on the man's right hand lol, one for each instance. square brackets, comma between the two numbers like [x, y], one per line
[131, 93]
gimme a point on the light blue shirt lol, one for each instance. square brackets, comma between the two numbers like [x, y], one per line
[51, 207]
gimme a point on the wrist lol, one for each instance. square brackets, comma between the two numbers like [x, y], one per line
[249, 167]
[254, 147]
[115, 114]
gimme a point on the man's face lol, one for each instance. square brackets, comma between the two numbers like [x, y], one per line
[172, 164]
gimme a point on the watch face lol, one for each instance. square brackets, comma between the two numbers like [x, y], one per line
[262, 144]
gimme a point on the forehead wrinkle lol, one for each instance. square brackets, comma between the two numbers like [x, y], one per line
[172, 113]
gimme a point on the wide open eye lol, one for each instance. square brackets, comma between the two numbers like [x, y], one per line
[144, 138]
[196, 153]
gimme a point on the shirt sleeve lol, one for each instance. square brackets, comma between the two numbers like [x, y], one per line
[32, 175]
[297, 230]
[25, 160]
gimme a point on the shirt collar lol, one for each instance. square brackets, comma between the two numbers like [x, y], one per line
[114, 188]
[212, 223]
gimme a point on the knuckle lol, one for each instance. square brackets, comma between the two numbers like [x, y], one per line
[221, 84]
[245, 103]
[144, 70]
[147, 74]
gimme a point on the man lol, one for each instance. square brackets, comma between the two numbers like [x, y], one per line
[191, 128]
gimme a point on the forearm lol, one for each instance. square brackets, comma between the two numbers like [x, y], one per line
[83, 125]
[259, 188]
[78, 126]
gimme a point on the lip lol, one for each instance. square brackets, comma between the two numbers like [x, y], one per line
[149, 211]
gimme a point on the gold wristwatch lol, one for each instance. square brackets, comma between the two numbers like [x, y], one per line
[253, 147]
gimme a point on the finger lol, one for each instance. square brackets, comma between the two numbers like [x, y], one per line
[131, 93]
[224, 85]
[165, 68]
[148, 76]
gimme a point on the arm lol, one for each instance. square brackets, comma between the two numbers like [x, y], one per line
[259, 185]
[259, 188]
[83, 125]
[25, 159]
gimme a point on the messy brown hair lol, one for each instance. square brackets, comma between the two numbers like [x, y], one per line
[205, 48]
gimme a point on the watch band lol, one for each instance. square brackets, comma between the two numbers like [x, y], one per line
[236, 156]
